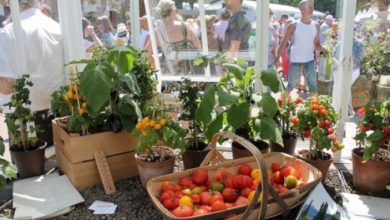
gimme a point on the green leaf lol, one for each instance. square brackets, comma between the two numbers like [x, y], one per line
[270, 130]
[269, 105]
[225, 97]
[10, 123]
[131, 83]
[214, 127]
[271, 79]
[3, 181]
[83, 61]
[10, 171]
[324, 143]
[125, 62]
[375, 136]
[238, 114]
[127, 106]
[95, 84]
[235, 69]
[2, 148]
[206, 106]
[370, 149]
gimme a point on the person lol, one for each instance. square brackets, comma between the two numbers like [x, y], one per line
[105, 31]
[46, 10]
[328, 23]
[176, 33]
[121, 35]
[220, 27]
[272, 42]
[90, 38]
[305, 40]
[145, 37]
[42, 42]
[128, 27]
[238, 30]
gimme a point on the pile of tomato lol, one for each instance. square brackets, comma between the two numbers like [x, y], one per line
[200, 193]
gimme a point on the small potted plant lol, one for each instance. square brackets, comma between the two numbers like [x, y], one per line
[233, 104]
[371, 160]
[317, 120]
[287, 120]
[27, 151]
[195, 148]
[157, 136]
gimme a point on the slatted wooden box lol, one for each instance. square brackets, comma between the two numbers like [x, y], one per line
[75, 155]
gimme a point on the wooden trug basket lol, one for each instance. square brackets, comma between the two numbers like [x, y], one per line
[277, 204]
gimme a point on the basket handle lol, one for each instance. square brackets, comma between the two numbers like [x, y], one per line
[214, 156]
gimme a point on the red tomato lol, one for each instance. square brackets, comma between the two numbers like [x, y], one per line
[170, 203]
[307, 133]
[229, 205]
[298, 101]
[245, 192]
[195, 198]
[218, 206]
[229, 194]
[294, 120]
[205, 198]
[215, 196]
[330, 131]
[206, 207]
[295, 173]
[222, 176]
[200, 211]
[275, 167]
[166, 186]
[278, 177]
[166, 195]
[282, 189]
[185, 182]
[245, 169]
[200, 177]
[241, 201]
[177, 188]
[204, 188]
[280, 101]
[183, 211]
[239, 182]
[285, 171]
[179, 194]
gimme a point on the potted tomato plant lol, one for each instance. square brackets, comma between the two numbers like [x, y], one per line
[158, 135]
[99, 109]
[233, 104]
[371, 160]
[27, 151]
[195, 148]
[317, 120]
[287, 119]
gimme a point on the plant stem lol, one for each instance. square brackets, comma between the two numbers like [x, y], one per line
[23, 134]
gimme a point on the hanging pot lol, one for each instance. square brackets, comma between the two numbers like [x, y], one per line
[30, 163]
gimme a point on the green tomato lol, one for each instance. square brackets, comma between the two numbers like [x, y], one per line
[217, 186]
[197, 190]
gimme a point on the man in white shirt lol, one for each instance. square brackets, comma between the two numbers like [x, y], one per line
[42, 42]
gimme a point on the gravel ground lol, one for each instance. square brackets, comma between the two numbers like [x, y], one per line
[134, 203]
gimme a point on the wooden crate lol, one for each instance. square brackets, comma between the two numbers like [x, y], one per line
[75, 155]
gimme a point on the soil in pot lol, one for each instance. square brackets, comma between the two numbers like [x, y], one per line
[372, 175]
[289, 144]
[320, 160]
[29, 163]
[193, 157]
[240, 152]
[160, 162]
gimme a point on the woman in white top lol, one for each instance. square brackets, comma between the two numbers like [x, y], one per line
[89, 38]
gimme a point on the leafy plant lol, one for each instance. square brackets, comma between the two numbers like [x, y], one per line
[317, 120]
[286, 117]
[190, 96]
[8, 170]
[234, 104]
[109, 94]
[20, 123]
[374, 128]
[157, 129]
[373, 60]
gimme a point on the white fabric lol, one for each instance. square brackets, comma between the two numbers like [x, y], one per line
[86, 45]
[144, 35]
[302, 50]
[42, 41]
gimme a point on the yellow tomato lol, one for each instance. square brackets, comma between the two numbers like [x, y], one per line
[157, 126]
[251, 194]
[186, 200]
[256, 173]
[163, 122]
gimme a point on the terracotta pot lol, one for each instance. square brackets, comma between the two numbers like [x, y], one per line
[148, 170]
[321, 165]
[289, 144]
[371, 176]
[30, 163]
[193, 158]
[239, 152]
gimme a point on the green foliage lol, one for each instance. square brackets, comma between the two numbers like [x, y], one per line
[157, 129]
[109, 94]
[374, 128]
[190, 97]
[286, 115]
[8, 170]
[373, 61]
[234, 104]
[20, 123]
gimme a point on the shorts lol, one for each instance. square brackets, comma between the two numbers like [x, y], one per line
[309, 73]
